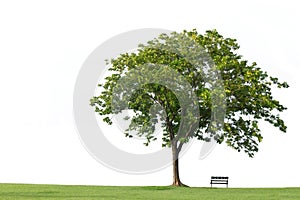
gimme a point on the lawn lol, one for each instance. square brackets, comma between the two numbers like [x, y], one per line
[28, 191]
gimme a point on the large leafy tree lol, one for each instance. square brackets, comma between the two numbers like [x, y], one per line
[244, 95]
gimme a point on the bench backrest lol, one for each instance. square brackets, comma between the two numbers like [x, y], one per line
[219, 178]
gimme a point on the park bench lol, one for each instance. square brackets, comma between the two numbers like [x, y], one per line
[219, 180]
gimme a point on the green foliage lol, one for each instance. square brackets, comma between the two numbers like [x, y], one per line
[246, 90]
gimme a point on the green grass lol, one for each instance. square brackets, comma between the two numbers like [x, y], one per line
[28, 191]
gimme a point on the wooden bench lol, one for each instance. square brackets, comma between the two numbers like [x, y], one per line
[219, 180]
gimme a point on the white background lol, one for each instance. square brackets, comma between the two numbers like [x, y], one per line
[44, 43]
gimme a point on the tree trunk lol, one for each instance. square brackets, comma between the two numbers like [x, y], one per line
[176, 178]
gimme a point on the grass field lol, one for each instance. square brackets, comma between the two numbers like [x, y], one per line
[24, 191]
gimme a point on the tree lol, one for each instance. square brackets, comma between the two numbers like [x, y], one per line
[227, 109]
